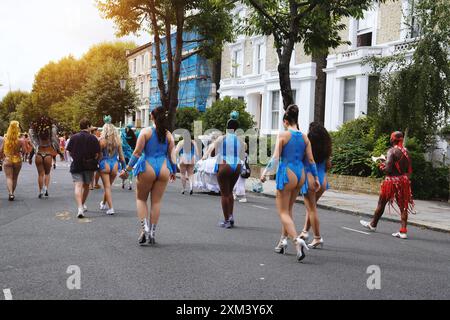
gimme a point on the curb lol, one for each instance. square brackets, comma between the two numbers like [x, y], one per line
[359, 213]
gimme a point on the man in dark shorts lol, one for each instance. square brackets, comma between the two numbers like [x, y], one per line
[84, 149]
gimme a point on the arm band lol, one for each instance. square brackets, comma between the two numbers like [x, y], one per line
[313, 169]
[133, 161]
[174, 168]
[124, 165]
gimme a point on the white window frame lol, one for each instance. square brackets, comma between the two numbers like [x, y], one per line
[259, 55]
[347, 103]
[275, 109]
[237, 67]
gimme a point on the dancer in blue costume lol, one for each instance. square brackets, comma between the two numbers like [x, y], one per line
[153, 171]
[111, 151]
[129, 140]
[230, 151]
[321, 149]
[291, 148]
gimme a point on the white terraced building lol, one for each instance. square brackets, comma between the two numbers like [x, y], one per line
[249, 68]
[139, 66]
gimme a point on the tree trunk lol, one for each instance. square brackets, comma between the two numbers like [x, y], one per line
[175, 77]
[321, 86]
[284, 72]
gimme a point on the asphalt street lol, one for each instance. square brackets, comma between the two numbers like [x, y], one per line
[194, 259]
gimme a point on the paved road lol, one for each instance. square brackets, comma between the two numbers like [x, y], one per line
[194, 259]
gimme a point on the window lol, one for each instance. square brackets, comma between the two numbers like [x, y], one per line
[414, 28]
[134, 65]
[349, 99]
[364, 29]
[259, 58]
[237, 64]
[143, 63]
[364, 40]
[294, 96]
[142, 90]
[241, 98]
[275, 109]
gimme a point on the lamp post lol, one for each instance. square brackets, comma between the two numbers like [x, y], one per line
[123, 86]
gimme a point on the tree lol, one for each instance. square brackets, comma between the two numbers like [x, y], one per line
[414, 94]
[217, 116]
[210, 19]
[9, 106]
[57, 81]
[186, 118]
[102, 95]
[313, 23]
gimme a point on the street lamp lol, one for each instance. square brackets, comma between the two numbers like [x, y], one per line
[123, 85]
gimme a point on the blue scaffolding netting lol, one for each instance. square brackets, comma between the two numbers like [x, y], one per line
[195, 76]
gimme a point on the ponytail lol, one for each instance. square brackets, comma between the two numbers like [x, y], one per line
[161, 116]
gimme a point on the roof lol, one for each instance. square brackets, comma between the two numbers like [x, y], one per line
[138, 49]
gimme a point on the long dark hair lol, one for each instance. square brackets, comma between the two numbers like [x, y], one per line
[320, 142]
[161, 116]
[291, 114]
[42, 127]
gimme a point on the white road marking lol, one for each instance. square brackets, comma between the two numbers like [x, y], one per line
[262, 264]
[264, 208]
[261, 278]
[355, 230]
[7, 293]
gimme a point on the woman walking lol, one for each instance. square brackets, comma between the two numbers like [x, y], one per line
[291, 148]
[229, 150]
[12, 151]
[46, 146]
[321, 149]
[187, 152]
[153, 171]
[111, 153]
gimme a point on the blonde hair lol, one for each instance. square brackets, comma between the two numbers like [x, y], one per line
[12, 137]
[112, 138]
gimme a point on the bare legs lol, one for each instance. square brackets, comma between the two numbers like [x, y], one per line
[187, 175]
[285, 200]
[311, 199]
[44, 166]
[12, 171]
[108, 176]
[147, 183]
[227, 178]
[81, 193]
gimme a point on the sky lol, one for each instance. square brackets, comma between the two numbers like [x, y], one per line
[35, 32]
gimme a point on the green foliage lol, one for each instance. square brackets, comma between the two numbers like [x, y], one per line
[70, 89]
[217, 116]
[414, 96]
[210, 19]
[351, 158]
[380, 147]
[427, 182]
[186, 118]
[102, 94]
[314, 24]
[8, 108]
[356, 142]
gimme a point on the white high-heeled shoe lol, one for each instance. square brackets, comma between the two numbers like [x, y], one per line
[316, 243]
[282, 246]
[301, 246]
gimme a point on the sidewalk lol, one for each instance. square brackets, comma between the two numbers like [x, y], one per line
[430, 214]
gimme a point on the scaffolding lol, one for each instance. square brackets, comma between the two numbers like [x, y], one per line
[195, 77]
